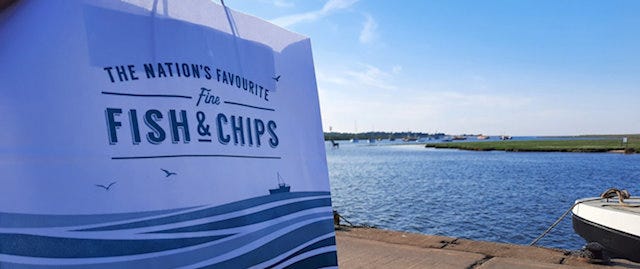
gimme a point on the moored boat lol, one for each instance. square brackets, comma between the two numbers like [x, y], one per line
[410, 139]
[613, 223]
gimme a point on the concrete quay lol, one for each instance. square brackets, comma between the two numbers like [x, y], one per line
[375, 248]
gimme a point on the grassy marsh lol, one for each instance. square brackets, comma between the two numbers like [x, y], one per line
[592, 145]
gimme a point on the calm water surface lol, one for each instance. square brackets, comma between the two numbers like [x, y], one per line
[494, 196]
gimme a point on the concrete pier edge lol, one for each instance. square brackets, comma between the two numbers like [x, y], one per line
[377, 248]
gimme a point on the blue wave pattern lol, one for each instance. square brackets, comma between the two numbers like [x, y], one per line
[293, 230]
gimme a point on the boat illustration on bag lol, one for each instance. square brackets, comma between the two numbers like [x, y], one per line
[282, 187]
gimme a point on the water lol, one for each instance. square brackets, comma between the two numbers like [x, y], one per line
[509, 197]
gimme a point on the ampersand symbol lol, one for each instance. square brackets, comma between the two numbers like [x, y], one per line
[203, 129]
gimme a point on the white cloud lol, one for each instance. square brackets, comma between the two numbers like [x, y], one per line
[451, 112]
[396, 69]
[282, 3]
[328, 8]
[337, 4]
[327, 78]
[348, 96]
[373, 77]
[481, 101]
[366, 76]
[279, 3]
[368, 33]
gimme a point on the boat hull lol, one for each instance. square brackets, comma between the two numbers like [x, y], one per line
[618, 243]
[282, 189]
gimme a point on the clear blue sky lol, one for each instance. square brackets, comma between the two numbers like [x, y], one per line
[494, 67]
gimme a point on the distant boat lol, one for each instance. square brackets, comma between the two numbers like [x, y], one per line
[610, 221]
[459, 137]
[482, 137]
[282, 187]
[505, 137]
[409, 139]
[446, 138]
[355, 135]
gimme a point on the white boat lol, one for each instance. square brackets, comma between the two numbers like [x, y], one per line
[612, 222]
[459, 137]
[410, 139]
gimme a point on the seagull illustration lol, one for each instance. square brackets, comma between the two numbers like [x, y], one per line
[106, 187]
[168, 172]
[277, 78]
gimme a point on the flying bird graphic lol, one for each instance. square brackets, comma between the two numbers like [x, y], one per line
[168, 173]
[106, 187]
[277, 78]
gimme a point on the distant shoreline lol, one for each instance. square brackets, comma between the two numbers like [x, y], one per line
[581, 146]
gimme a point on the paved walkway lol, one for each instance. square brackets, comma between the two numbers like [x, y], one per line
[374, 248]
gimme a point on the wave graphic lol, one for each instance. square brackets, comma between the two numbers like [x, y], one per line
[286, 229]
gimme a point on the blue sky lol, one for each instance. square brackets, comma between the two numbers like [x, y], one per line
[552, 67]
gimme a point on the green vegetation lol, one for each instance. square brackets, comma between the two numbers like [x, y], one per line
[593, 145]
